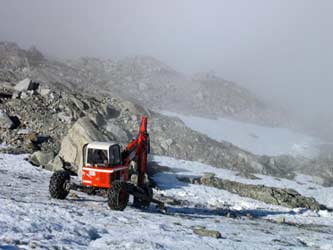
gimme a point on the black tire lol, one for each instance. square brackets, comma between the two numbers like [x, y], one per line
[118, 196]
[139, 203]
[58, 184]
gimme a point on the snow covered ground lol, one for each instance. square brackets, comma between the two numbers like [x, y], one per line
[254, 138]
[29, 219]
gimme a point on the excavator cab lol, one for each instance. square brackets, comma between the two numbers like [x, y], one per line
[102, 164]
[102, 154]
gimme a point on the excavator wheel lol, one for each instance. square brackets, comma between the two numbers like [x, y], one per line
[140, 203]
[118, 196]
[59, 185]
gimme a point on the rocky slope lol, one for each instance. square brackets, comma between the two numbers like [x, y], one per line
[160, 87]
[57, 120]
[17, 64]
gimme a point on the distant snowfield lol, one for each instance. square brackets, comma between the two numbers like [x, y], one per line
[253, 138]
[30, 219]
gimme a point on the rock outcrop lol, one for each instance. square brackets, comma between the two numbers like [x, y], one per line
[271, 195]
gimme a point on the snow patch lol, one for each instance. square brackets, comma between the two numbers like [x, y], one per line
[253, 138]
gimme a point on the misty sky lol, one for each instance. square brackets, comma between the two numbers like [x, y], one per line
[280, 48]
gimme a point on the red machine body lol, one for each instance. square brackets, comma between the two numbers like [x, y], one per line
[95, 176]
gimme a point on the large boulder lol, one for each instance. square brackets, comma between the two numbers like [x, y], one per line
[83, 131]
[5, 121]
[40, 158]
[25, 85]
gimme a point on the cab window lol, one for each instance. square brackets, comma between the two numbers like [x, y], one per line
[97, 157]
[115, 158]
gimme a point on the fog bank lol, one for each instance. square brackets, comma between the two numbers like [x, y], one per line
[282, 50]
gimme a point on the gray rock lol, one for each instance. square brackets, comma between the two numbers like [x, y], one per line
[108, 111]
[44, 91]
[16, 95]
[56, 164]
[64, 117]
[117, 131]
[5, 121]
[165, 144]
[26, 84]
[207, 233]
[24, 95]
[133, 108]
[40, 158]
[24, 131]
[77, 103]
[98, 119]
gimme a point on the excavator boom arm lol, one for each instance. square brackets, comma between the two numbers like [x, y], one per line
[138, 150]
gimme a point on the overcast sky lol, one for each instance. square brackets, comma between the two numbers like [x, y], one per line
[283, 49]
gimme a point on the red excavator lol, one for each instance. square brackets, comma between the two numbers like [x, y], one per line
[108, 169]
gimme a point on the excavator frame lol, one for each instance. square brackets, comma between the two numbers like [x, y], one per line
[117, 173]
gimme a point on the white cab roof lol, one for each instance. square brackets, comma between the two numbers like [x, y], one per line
[100, 145]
